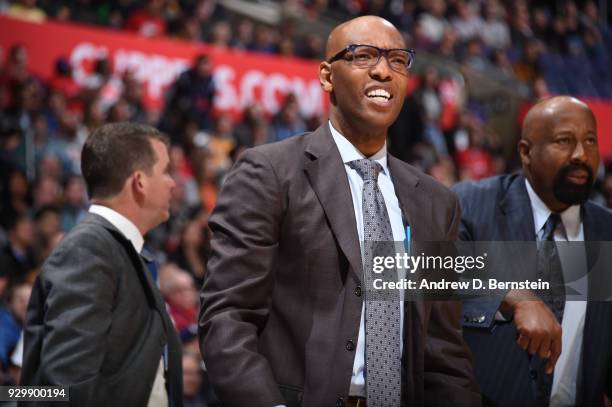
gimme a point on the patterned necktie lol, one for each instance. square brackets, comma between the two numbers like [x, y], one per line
[382, 318]
[549, 269]
[551, 266]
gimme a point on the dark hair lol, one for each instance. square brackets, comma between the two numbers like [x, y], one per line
[113, 152]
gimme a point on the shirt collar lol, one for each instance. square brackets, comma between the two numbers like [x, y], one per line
[123, 224]
[349, 152]
[569, 217]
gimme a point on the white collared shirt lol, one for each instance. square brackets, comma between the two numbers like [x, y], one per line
[349, 152]
[123, 224]
[567, 379]
[159, 394]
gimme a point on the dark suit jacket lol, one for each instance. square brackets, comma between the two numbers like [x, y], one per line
[97, 323]
[282, 296]
[498, 209]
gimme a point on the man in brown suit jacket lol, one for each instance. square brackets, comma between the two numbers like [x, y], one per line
[281, 319]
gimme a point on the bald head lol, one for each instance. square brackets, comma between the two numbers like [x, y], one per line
[544, 113]
[559, 151]
[347, 32]
[366, 90]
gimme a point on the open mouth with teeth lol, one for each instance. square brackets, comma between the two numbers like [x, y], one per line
[379, 94]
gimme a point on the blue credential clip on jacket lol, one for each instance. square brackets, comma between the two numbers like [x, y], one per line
[407, 240]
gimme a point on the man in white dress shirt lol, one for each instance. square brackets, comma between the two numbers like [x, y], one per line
[528, 351]
[96, 321]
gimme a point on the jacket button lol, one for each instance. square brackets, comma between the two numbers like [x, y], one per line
[533, 374]
[339, 402]
[350, 345]
[358, 291]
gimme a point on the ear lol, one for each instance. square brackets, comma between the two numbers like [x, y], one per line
[138, 181]
[524, 149]
[325, 76]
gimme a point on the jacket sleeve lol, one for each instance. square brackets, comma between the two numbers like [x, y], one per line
[476, 312]
[237, 289]
[76, 290]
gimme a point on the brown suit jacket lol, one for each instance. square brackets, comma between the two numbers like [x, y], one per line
[280, 301]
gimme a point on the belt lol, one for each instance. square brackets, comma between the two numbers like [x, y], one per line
[353, 401]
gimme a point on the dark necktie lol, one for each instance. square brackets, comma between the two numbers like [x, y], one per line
[550, 264]
[549, 269]
[382, 317]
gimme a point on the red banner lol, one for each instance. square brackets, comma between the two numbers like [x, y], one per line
[603, 114]
[241, 77]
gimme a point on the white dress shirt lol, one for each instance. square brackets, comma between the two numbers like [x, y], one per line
[567, 378]
[159, 394]
[349, 152]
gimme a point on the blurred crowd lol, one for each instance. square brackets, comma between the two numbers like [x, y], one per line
[44, 122]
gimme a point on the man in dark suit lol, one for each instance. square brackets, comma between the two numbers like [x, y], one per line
[96, 321]
[529, 352]
[282, 319]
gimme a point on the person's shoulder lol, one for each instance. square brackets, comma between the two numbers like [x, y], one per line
[279, 154]
[88, 236]
[599, 212]
[434, 188]
[485, 186]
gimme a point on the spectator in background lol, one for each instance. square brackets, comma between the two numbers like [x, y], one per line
[132, 94]
[148, 21]
[520, 31]
[244, 34]
[221, 35]
[467, 21]
[474, 160]
[27, 10]
[12, 319]
[16, 69]
[219, 144]
[311, 47]
[432, 23]
[495, 32]
[245, 129]
[193, 250]
[501, 67]
[74, 207]
[190, 29]
[474, 55]
[264, 40]
[178, 289]
[47, 233]
[17, 257]
[62, 80]
[574, 28]
[191, 96]
[15, 198]
[197, 392]
[447, 44]
[528, 67]
[428, 98]
[288, 121]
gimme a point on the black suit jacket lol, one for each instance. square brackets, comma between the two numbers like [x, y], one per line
[282, 297]
[499, 209]
[97, 323]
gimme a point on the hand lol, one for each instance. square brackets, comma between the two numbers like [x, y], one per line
[538, 330]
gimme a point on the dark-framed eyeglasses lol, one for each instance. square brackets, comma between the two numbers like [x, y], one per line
[367, 56]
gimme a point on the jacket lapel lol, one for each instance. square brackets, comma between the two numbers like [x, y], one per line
[152, 293]
[326, 173]
[405, 186]
[515, 207]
